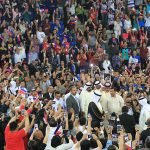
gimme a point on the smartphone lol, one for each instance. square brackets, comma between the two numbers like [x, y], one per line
[22, 112]
[35, 126]
[89, 136]
[126, 138]
[119, 127]
[65, 132]
[114, 137]
[53, 102]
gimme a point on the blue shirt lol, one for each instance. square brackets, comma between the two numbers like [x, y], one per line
[109, 142]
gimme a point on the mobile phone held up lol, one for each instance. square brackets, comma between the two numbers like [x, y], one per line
[36, 126]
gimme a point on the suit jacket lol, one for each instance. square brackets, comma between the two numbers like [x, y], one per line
[128, 123]
[47, 96]
[72, 103]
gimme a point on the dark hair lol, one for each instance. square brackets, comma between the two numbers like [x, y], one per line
[71, 87]
[57, 92]
[125, 109]
[79, 136]
[93, 143]
[111, 147]
[13, 126]
[52, 122]
[55, 141]
[95, 124]
[147, 142]
[82, 121]
[32, 145]
[85, 145]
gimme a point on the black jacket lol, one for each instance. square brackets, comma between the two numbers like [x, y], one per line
[72, 103]
[47, 96]
[128, 123]
[145, 134]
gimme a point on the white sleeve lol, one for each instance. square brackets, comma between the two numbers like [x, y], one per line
[130, 60]
[66, 146]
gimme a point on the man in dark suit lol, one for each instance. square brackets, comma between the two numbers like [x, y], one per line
[145, 133]
[49, 95]
[127, 121]
[72, 101]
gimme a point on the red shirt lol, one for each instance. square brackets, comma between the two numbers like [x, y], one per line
[143, 52]
[57, 49]
[14, 140]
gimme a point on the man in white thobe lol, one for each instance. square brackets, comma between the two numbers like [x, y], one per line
[145, 113]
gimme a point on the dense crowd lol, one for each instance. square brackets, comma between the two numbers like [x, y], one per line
[74, 74]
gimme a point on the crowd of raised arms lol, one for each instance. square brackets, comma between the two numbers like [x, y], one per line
[74, 74]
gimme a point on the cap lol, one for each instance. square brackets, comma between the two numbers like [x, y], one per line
[88, 84]
[107, 84]
[97, 83]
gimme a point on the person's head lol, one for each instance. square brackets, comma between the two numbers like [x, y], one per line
[93, 143]
[73, 90]
[138, 80]
[112, 92]
[50, 89]
[148, 123]
[52, 122]
[13, 126]
[33, 144]
[57, 95]
[79, 136]
[96, 125]
[144, 45]
[22, 84]
[112, 147]
[113, 35]
[125, 109]
[82, 121]
[38, 135]
[85, 145]
[55, 141]
[147, 142]
[58, 83]
[40, 29]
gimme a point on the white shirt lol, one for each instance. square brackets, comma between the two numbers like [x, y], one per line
[115, 104]
[127, 24]
[17, 57]
[147, 21]
[22, 52]
[40, 36]
[50, 135]
[72, 9]
[106, 64]
[60, 102]
[62, 146]
[117, 26]
[133, 60]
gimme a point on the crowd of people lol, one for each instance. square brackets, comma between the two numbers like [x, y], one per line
[74, 74]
